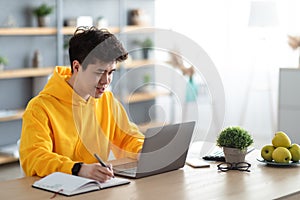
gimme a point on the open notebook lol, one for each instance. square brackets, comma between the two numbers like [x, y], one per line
[69, 185]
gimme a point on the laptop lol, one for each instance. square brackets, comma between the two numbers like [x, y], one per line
[165, 149]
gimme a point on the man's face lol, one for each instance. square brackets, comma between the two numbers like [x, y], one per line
[94, 79]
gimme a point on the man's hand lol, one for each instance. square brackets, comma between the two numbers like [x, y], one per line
[96, 171]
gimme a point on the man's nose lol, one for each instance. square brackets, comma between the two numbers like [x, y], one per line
[104, 78]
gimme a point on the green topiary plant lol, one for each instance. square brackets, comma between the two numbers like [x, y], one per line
[146, 46]
[43, 10]
[3, 60]
[147, 43]
[234, 137]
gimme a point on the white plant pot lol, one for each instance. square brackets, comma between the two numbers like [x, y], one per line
[234, 155]
[43, 21]
[1, 67]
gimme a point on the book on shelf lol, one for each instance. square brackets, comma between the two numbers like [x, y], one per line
[9, 150]
[70, 185]
[8, 113]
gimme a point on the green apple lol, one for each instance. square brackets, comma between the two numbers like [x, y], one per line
[281, 139]
[281, 155]
[266, 152]
[295, 151]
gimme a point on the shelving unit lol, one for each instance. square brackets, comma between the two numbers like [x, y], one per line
[70, 30]
[4, 159]
[138, 63]
[17, 79]
[26, 72]
[27, 31]
[38, 31]
[25, 77]
[15, 115]
[144, 96]
[10, 115]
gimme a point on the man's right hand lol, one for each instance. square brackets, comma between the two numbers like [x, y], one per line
[96, 171]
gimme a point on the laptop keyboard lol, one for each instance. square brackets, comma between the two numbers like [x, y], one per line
[128, 168]
[219, 155]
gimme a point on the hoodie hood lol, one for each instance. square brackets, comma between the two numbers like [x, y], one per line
[59, 88]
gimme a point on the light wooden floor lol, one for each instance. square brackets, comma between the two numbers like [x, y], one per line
[9, 171]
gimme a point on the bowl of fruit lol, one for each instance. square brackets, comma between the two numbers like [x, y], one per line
[282, 152]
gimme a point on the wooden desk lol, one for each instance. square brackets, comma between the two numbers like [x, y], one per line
[263, 182]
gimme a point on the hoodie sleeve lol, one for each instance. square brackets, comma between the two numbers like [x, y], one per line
[37, 143]
[127, 140]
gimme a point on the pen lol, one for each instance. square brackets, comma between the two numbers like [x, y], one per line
[102, 163]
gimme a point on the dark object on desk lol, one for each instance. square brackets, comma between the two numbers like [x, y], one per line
[219, 155]
[241, 166]
[214, 158]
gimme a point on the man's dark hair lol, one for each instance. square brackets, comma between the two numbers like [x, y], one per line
[90, 43]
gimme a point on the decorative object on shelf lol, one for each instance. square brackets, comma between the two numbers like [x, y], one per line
[84, 21]
[191, 88]
[294, 42]
[177, 62]
[234, 141]
[42, 13]
[146, 46]
[191, 91]
[3, 62]
[148, 87]
[70, 22]
[146, 78]
[10, 21]
[138, 17]
[102, 22]
[37, 59]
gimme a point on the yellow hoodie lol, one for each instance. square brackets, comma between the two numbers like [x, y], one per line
[60, 128]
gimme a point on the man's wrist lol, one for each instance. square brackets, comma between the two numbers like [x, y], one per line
[76, 168]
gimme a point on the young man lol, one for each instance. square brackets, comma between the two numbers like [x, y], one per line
[74, 116]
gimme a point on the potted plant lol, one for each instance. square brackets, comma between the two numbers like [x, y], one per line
[234, 141]
[148, 87]
[3, 62]
[146, 45]
[42, 12]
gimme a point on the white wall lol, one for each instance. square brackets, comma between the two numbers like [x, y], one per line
[247, 59]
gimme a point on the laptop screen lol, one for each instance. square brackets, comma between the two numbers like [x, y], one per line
[165, 149]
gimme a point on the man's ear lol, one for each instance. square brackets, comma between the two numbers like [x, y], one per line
[76, 66]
